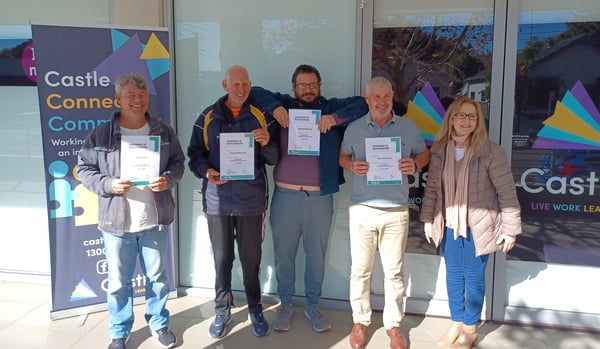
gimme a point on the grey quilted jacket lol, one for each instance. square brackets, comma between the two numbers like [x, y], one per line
[99, 163]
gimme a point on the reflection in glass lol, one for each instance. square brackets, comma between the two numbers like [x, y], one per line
[451, 51]
[431, 58]
[556, 135]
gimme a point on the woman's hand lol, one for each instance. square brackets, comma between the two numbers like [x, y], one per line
[428, 227]
[507, 242]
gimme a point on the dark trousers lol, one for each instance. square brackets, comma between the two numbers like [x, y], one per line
[249, 233]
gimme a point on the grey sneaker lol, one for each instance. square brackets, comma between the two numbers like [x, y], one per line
[317, 319]
[118, 343]
[283, 318]
[165, 337]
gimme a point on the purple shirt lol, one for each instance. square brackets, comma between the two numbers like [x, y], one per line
[295, 169]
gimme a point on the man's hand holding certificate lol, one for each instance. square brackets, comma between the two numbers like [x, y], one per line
[304, 136]
[383, 155]
[236, 156]
[140, 159]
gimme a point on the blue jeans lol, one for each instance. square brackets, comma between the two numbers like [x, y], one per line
[465, 277]
[121, 255]
[296, 214]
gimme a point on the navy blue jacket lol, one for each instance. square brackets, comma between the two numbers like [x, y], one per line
[331, 175]
[236, 197]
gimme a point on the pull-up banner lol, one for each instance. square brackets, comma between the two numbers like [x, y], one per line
[76, 69]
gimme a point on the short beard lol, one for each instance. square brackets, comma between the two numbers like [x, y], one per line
[305, 103]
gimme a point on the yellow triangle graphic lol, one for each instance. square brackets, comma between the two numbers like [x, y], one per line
[423, 121]
[565, 120]
[154, 49]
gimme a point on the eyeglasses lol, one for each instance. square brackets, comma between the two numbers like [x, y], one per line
[462, 116]
[312, 85]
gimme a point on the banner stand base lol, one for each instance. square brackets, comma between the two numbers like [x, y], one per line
[80, 321]
[83, 312]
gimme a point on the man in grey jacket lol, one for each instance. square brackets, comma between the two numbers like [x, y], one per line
[133, 214]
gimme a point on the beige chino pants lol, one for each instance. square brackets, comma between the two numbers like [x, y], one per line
[386, 230]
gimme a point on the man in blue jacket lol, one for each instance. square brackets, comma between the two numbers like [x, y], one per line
[303, 197]
[235, 209]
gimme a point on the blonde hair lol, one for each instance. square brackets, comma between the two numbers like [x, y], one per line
[479, 135]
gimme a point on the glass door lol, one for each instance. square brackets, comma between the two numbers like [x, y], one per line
[553, 274]
[432, 51]
[534, 67]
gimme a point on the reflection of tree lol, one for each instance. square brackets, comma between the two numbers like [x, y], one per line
[578, 28]
[15, 52]
[11, 69]
[538, 88]
[528, 55]
[444, 56]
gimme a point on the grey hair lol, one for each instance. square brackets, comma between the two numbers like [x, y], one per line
[131, 78]
[236, 67]
[378, 81]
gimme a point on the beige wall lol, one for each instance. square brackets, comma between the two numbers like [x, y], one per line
[63, 12]
[138, 12]
[83, 12]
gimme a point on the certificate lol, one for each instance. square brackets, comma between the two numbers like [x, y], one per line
[304, 133]
[140, 159]
[236, 156]
[383, 155]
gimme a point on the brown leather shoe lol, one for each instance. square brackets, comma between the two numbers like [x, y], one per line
[397, 340]
[358, 336]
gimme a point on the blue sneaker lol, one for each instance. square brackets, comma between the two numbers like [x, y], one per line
[260, 326]
[218, 327]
